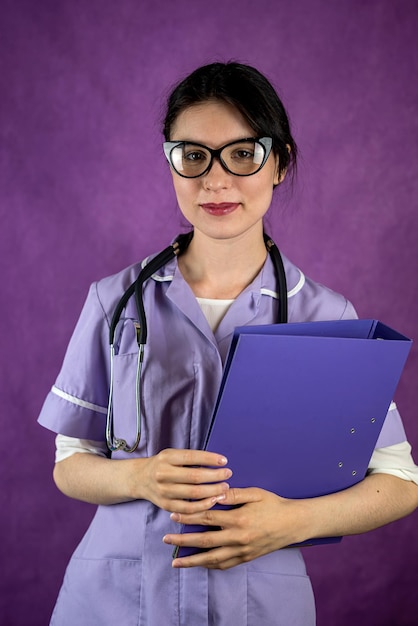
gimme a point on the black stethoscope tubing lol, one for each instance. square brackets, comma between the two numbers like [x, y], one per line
[179, 245]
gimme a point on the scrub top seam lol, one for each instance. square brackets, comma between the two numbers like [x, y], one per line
[105, 316]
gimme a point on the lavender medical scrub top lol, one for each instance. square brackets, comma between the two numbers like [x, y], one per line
[121, 572]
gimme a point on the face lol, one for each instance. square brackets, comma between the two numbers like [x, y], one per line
[218, 204]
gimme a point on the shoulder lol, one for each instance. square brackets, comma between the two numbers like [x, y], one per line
[109, 290]
[309, 300]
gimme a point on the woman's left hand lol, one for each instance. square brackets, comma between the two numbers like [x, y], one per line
[262, 522]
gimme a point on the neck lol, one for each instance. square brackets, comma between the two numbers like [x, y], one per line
[222, 268]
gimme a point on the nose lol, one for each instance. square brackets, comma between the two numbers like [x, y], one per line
[217, 177]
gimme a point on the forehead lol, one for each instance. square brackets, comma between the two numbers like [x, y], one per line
[213, 123]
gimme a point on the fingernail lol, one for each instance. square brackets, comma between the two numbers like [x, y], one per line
[223, 460]
[175, 517]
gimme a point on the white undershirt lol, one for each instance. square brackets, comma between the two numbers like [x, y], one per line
[396, 460]
[214, 310]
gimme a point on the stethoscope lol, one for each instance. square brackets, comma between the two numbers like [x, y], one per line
[179, 246]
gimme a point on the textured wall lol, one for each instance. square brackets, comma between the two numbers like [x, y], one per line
[85, 191]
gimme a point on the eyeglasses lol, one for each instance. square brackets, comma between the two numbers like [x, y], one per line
[243, 157]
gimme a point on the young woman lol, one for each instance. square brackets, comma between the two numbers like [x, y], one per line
[229, 145]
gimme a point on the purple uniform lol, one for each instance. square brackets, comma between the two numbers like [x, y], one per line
[121, 572]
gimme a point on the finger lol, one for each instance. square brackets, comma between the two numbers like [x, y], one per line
[199, 492]
[180, 507]
[197, 457]
[236, 497]
[218, 558]
[204, 517]
[169, 469]
[199, 475]
[181, 491]
[203, 541]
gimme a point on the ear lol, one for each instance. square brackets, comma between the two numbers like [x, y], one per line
[279, 178]
[276, 179]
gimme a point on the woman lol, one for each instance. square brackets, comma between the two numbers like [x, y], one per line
[229, 145]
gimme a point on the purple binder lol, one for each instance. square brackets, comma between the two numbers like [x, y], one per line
[301, 406]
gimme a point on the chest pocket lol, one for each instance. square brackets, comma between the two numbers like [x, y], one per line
[165, 395]
[124, 401]
[125, 398]
[180, 378]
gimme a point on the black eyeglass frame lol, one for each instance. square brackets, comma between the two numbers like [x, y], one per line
[265, 142]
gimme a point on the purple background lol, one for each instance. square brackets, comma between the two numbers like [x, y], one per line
[85, 191]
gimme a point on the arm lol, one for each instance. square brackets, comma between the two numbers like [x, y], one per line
[375, 501]
[265, 522]
[169, 479]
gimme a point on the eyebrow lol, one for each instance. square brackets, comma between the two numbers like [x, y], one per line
[199, 143]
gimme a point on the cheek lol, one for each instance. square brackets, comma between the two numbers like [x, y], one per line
[262, 193]
[185, 191]
[178, 185]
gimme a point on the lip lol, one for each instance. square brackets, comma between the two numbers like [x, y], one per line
[221, 208]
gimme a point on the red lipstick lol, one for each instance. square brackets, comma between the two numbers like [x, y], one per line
[222, 208]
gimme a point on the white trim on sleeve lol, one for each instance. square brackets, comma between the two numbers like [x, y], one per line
[78, 401]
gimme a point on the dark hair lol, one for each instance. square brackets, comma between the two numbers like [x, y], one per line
[249, 91]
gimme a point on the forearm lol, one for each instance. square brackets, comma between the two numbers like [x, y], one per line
[174, 480]
[261, 522]
[98, 480]
[379, 499]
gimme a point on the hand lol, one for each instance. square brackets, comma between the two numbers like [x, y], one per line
[262, 523]
[185, 481]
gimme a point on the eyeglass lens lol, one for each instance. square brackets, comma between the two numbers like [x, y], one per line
[242, 158]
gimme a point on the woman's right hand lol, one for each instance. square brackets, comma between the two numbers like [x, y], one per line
[181, 481]
[184, 481]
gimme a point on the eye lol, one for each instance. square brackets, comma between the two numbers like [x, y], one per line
[194, 156]
[243, 154]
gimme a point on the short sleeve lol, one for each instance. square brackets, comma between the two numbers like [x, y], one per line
[395, 460]
[67, 446]
[349, 312]
[76, 404]
[393, 431]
